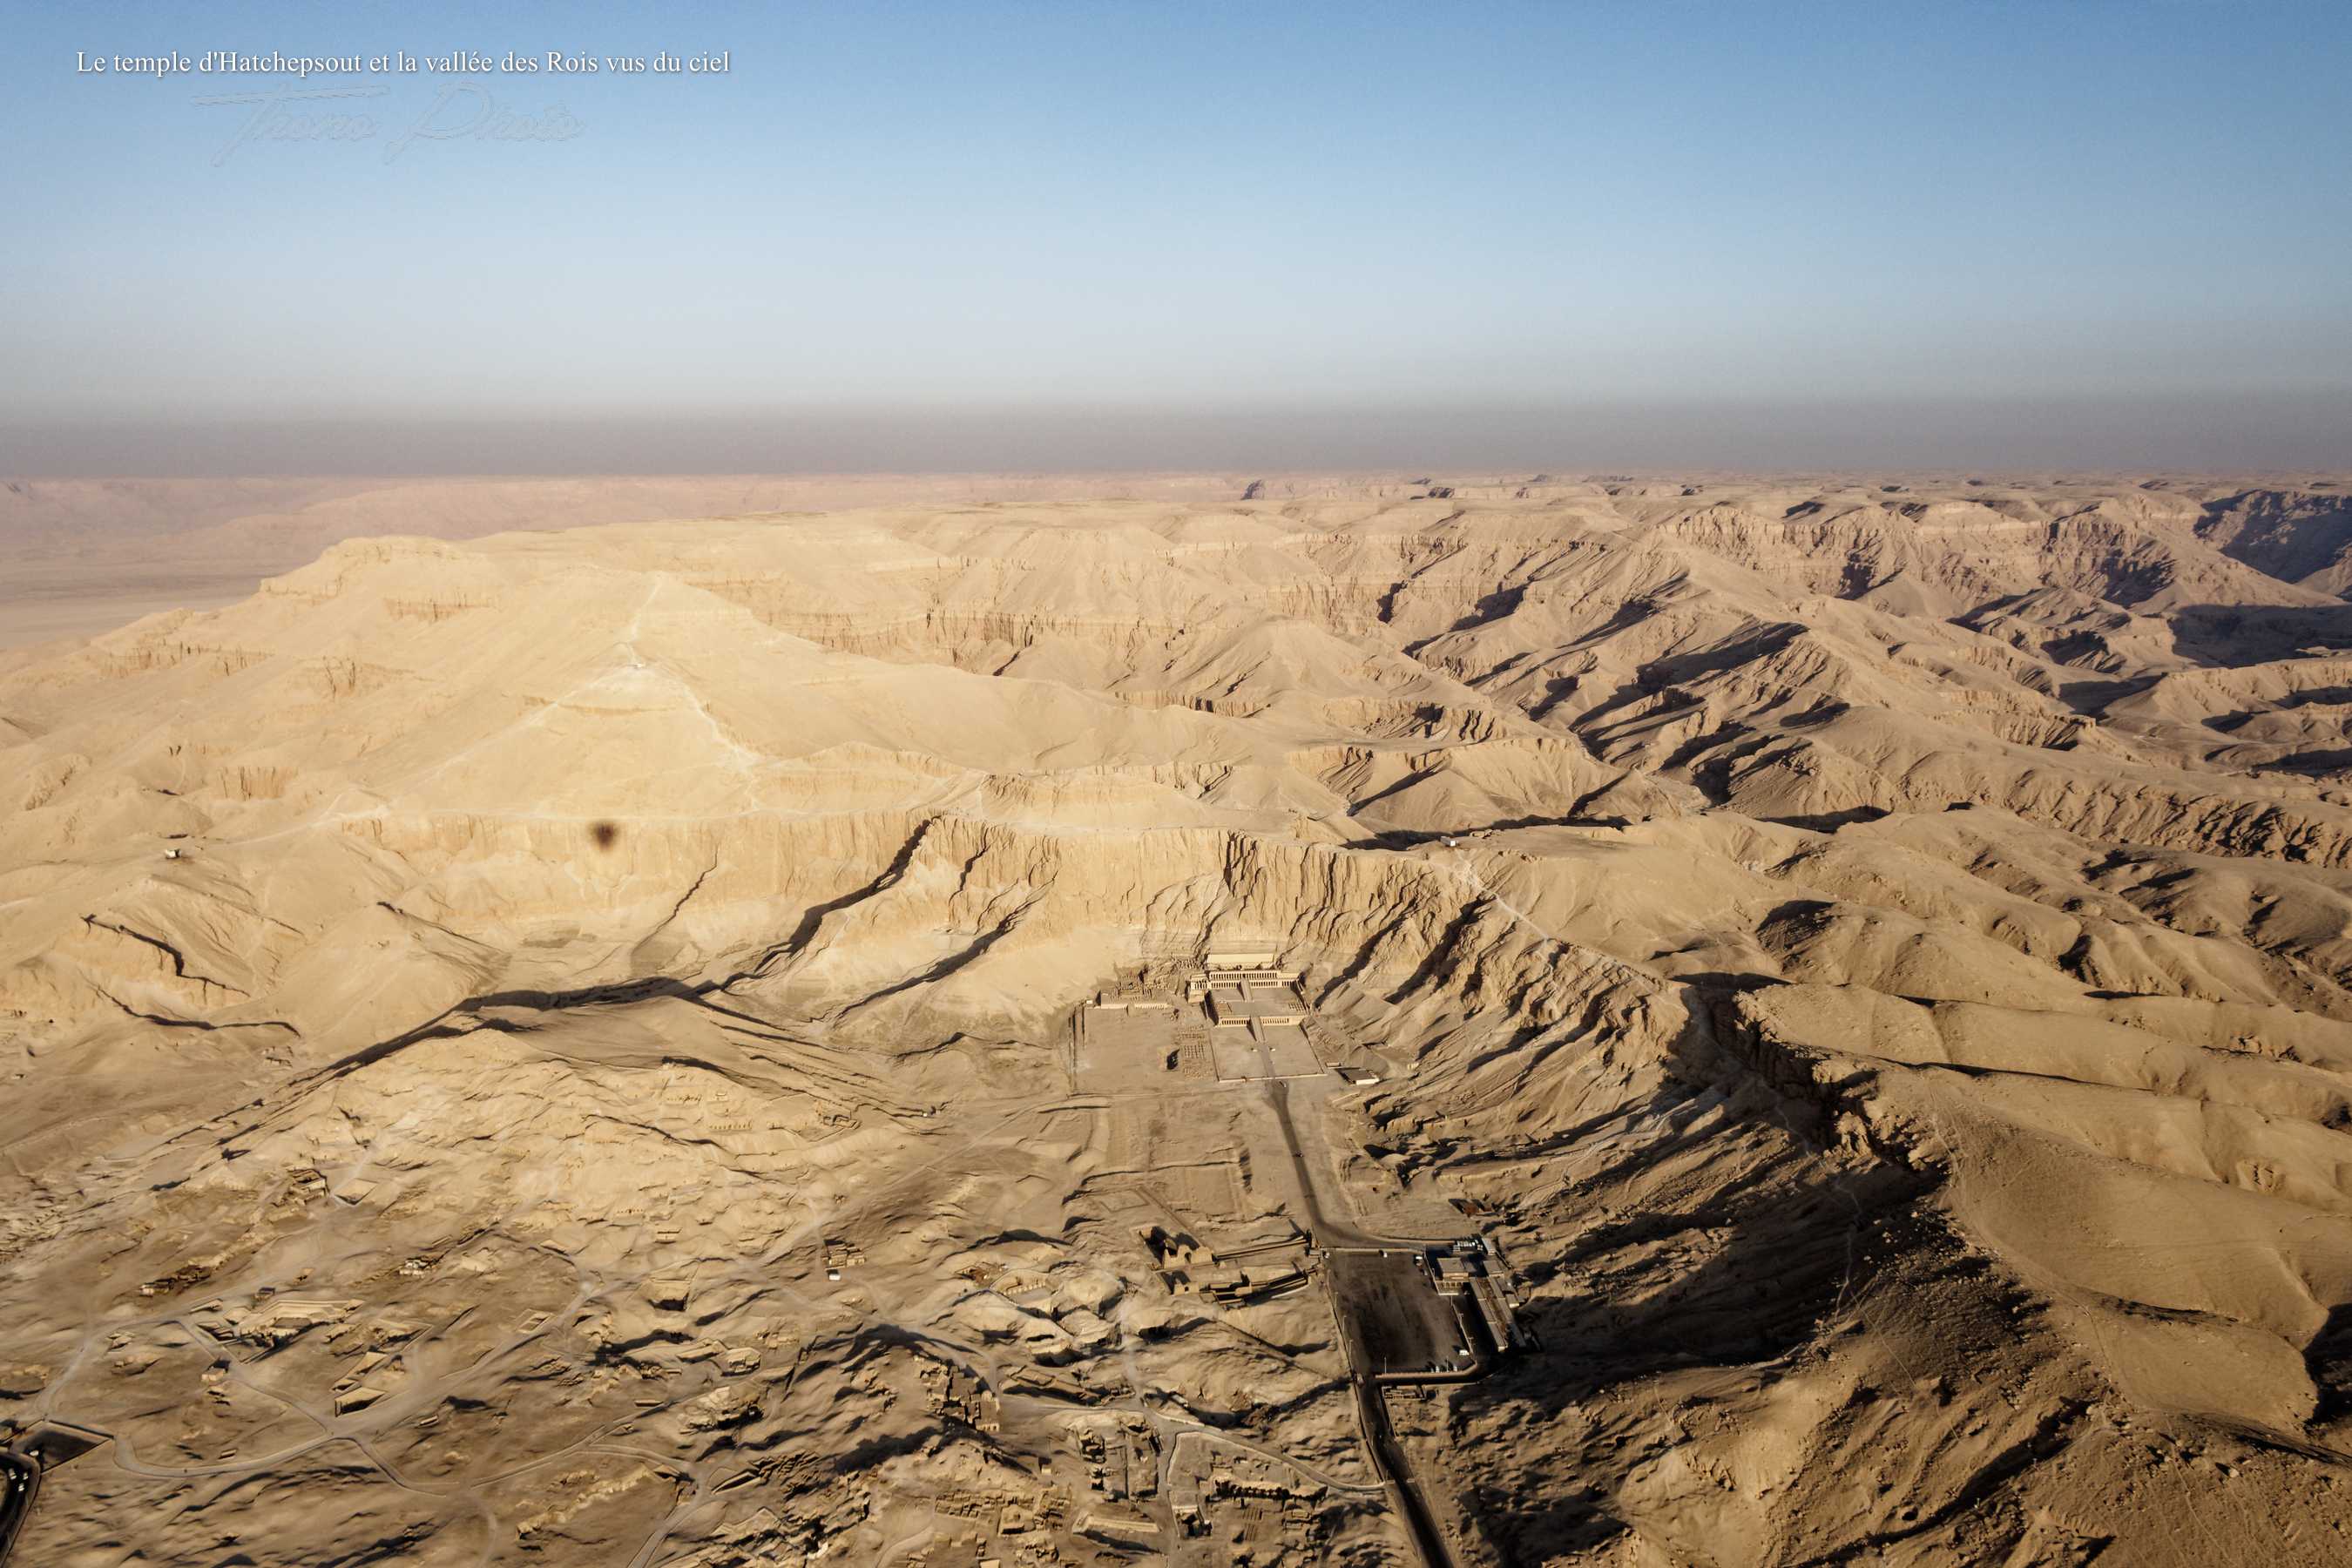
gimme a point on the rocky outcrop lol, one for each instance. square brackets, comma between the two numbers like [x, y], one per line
[1874, 958]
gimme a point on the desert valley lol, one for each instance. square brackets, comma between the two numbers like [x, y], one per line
[1430, 1020]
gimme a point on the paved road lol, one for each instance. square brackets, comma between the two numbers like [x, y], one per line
[1328, 1230]
[1390, 1459]
[1372, 1411]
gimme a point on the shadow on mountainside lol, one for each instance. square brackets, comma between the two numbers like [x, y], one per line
[2228, 635]
[1783, 1260]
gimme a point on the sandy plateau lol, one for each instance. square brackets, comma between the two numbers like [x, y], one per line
[1646, 1023]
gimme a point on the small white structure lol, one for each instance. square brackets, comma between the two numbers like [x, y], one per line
[1132, 1002]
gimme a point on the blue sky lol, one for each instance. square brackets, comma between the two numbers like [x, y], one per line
[1192, 207]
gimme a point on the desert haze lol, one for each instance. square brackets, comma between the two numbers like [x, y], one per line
[1446, 1020]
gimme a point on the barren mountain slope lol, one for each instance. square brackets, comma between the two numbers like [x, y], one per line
[81, 556]
[2302, 535]
[568, 1048]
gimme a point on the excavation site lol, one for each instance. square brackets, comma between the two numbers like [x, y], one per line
[1452, 1022]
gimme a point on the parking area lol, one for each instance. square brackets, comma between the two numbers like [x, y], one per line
[1401, 1325]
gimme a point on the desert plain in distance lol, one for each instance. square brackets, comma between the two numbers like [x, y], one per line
[1467, 1018]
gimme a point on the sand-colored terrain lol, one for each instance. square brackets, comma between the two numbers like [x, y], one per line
[79, 557]
[574, 1046]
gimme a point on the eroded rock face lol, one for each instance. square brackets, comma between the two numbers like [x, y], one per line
[560, 1048]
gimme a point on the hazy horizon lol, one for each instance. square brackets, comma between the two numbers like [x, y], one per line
[886, 236]
[2178, 435]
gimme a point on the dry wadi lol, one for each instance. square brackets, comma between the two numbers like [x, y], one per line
[1446, 1020]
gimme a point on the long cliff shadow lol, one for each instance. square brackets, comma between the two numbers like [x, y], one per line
[2329, 1360]
[1793, 1254]
[480, 1011]
[2316, 764]
[1411, 837]
[2317, 533]
[1745, 646]
[2228, 635]
[468, 1014]
[1796, 1253]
